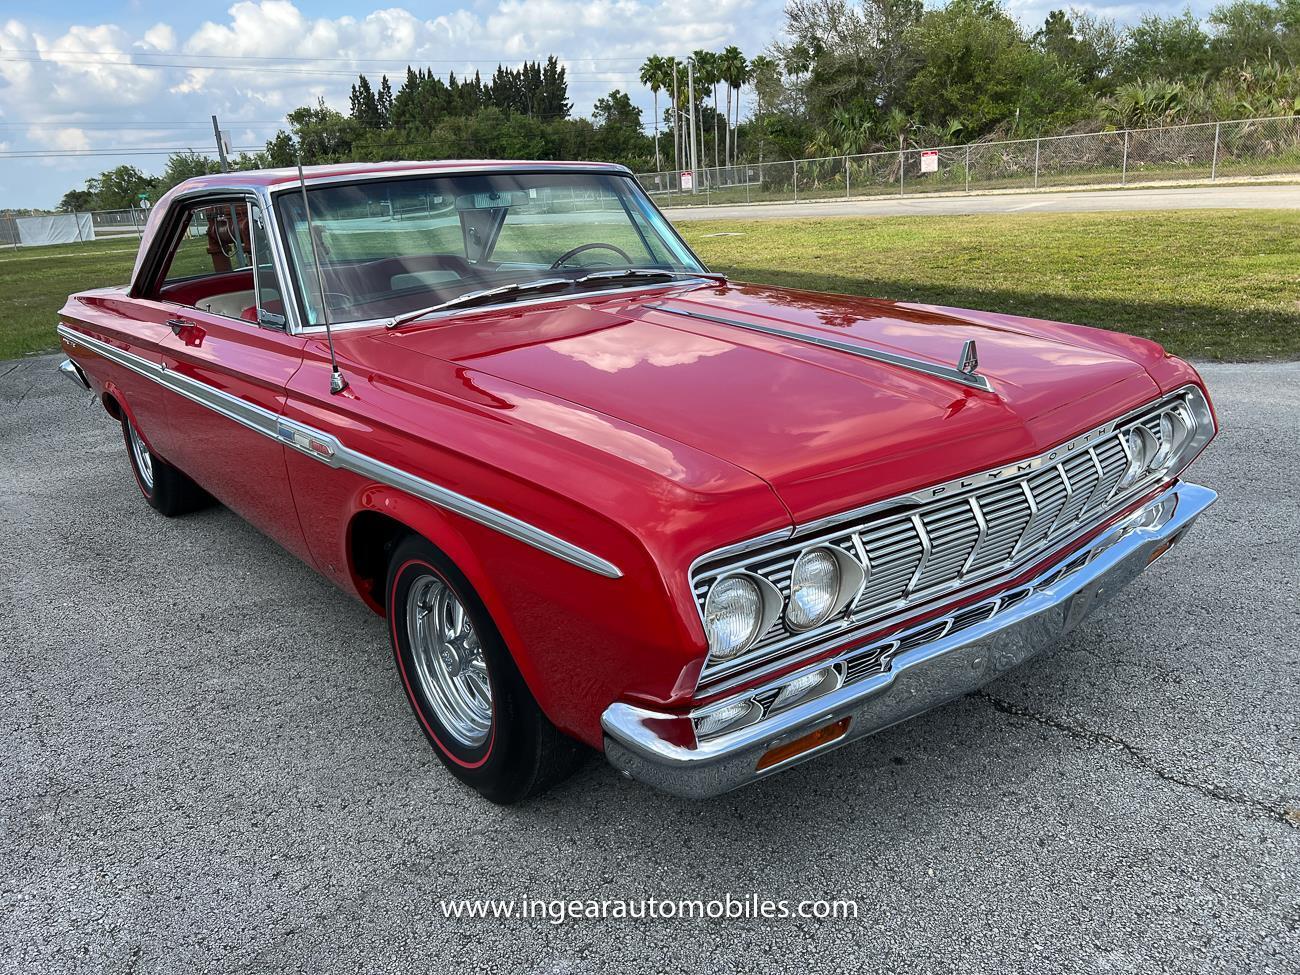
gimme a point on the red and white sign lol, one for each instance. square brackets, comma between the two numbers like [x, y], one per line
[929, 160]
[687, 180]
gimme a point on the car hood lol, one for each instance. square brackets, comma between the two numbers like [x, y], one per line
[827, 429]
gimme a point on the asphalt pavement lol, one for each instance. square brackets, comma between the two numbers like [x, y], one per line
[207, 765]
[1222, 197]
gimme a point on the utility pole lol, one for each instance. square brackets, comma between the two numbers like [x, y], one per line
[221, 146]
[690, 93]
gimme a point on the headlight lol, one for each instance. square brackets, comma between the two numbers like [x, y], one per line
[814, 589]
[733, 615]
[1176, 429]
[1142, 450]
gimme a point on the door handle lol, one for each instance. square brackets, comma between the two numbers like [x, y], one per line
[176, 324]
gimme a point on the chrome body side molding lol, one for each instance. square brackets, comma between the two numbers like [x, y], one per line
[327, 449]
[950, 373]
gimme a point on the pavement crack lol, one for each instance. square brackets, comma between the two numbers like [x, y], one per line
[1278, 813]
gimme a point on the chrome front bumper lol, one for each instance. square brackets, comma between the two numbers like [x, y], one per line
[914, 681]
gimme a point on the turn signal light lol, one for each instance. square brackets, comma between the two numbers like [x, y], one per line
[814, 739]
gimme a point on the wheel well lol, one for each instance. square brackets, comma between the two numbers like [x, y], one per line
[112, 407]
[371, 539]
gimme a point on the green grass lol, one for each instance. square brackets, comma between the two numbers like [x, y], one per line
[35, 281]
[1207, 284]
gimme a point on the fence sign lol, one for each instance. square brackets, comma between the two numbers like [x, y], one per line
[687, 180]
[930, 160]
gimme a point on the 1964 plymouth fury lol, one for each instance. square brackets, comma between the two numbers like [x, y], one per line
[605, 497]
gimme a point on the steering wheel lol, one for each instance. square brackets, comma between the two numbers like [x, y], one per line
[594, 245]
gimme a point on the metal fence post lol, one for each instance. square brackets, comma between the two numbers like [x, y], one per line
[901, 166]
[846, 177]
[1214, 163]
[968, 169]
[76, 218]
[1123, 173]
[1038, 145]
[794, 169]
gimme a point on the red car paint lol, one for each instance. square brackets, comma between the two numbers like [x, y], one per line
[645, 437]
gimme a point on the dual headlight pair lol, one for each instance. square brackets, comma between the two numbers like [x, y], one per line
[741, 607]
[1185, 427]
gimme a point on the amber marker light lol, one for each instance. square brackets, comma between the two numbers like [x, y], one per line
[814, 739]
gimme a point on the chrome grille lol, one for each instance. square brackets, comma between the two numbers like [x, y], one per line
[919, 550]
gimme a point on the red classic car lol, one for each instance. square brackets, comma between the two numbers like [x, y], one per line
[608, 498]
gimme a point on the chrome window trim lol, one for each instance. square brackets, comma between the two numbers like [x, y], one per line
[815, 641]
[937, 370]
[328, 450]
[470, 169]
[262, 197]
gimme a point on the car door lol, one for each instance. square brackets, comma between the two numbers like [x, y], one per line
[228, 355]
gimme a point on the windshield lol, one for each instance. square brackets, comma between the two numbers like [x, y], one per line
[394, 246]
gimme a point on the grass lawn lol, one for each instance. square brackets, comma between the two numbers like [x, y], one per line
[35, 281]
[1207, 284]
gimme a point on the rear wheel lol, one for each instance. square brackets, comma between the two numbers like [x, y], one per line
[463, 685]
[163, 486]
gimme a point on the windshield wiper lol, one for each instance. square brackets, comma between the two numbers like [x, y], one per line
[648, 273]
[542, 285]
[471, 298]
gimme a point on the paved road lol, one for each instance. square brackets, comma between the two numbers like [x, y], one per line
[208, 766]
[1188, 198]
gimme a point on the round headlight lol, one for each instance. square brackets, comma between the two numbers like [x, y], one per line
[1175, 432]
[1142, 450]
[814, 589]
[733, 614]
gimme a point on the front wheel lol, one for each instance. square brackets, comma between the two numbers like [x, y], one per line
[165, 488]
[463, 685]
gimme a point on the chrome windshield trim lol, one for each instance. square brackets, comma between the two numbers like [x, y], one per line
[950, 373]
[327, 449]
[290, 182]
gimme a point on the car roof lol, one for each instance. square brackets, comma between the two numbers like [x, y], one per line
[269, 178]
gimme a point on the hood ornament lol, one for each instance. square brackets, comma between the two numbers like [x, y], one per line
[969, 360]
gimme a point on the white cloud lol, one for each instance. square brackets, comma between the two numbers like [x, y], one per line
[80, 83]
[70, 138]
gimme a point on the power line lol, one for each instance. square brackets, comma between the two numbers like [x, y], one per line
[308, 72]
[305, 58]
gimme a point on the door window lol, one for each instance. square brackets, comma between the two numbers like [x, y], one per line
[221, 263]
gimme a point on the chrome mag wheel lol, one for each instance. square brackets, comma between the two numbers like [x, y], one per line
[449, 662]
[143, 460]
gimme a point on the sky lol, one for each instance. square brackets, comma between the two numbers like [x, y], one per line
[64, 86]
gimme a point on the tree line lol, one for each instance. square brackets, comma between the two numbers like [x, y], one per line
[844, 77]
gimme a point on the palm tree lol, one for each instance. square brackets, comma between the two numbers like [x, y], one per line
[706, 75]
[735, 72]
[656, 73]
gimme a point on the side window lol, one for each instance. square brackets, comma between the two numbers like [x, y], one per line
[221, 263]
[266, 284]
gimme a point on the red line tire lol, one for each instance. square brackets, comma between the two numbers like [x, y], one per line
[167, 489]
[462, 683]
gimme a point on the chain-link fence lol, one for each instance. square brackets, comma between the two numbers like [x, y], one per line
[1202, 151]
[38, 229]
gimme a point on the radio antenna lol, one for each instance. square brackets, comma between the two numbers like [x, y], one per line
[337, 382]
